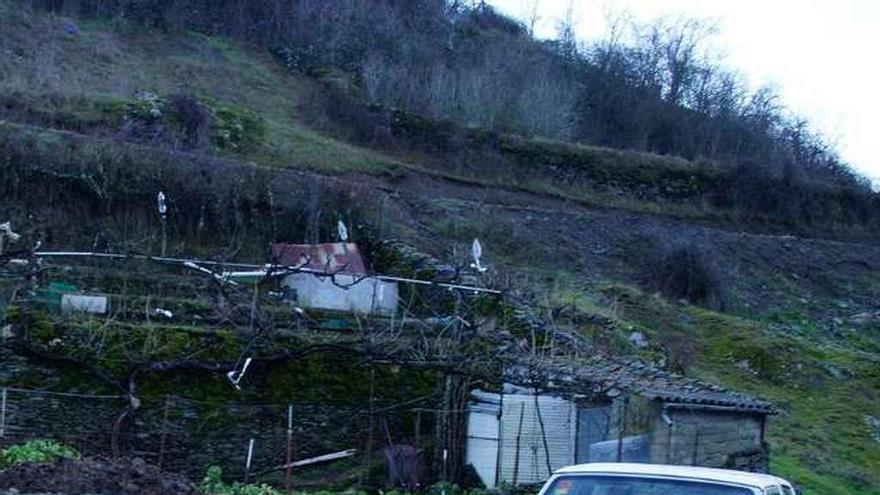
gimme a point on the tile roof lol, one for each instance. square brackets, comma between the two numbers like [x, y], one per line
[335, 257]
[611, 377]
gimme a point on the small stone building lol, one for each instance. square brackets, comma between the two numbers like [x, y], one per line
[333, 278]
[611, 412]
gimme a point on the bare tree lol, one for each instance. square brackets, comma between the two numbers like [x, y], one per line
[565, 33]
[531, 14]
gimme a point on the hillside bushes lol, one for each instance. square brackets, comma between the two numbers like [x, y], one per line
[188, 121]
[747, 193]
[652, 87]
[687, 272]
[656, 90]
[71, 190]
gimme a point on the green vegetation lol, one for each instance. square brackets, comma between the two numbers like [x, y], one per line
[444, 488]
[236, 128]
[35, 451]
[213, 485]
[107, 68]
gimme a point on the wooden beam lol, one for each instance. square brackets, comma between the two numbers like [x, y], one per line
[335, 456]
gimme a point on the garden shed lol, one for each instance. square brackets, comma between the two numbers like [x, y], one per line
[611, 412]
[333, 277]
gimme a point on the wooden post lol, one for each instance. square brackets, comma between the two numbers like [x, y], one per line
[622, 431]
[164, 222]
[247, 465]
[444, 445]
[3, 413]
[368, 453]
[164, 430]
[287, 476]
[522, 410]
[543, 433]
[417, 430]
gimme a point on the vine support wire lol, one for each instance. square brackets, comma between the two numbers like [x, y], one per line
[369, 450]
[3, 412]
[262, 270]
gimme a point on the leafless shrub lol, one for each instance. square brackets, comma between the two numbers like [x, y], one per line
[688, 272]
[193, 118]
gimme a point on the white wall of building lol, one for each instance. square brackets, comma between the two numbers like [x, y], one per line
[367, 296]
[481, 449]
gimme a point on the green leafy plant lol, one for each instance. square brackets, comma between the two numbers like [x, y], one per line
[236, 128]
[145, 106]
[188, 118]
[36, 451]
[213, 484]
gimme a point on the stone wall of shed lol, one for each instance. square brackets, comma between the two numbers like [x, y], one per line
[711, 439]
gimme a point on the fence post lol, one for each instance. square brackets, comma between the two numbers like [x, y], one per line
[3, 413]
[365, 472]
[164, 433]
[522, 411]
[621, 432]
[289, 468]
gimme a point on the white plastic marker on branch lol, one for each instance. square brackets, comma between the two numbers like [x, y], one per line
[342, 231]
[162, 205]
[164, 312]
[477, 252]
[223, 278]
[235, 376]
[7, 235]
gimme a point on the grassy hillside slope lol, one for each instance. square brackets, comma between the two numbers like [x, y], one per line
[52, 78]
[78, 76]
[788, 332]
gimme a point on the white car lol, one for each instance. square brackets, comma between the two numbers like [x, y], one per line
[653, 479]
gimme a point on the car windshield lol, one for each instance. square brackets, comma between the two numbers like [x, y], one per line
[628, 485]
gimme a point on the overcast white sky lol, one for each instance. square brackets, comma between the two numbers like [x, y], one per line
[823, 55]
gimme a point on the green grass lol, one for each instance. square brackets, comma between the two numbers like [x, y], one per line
[65, 82]
[813, 483]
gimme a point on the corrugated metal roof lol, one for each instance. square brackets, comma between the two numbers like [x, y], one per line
[610, 377]
[335, 257]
